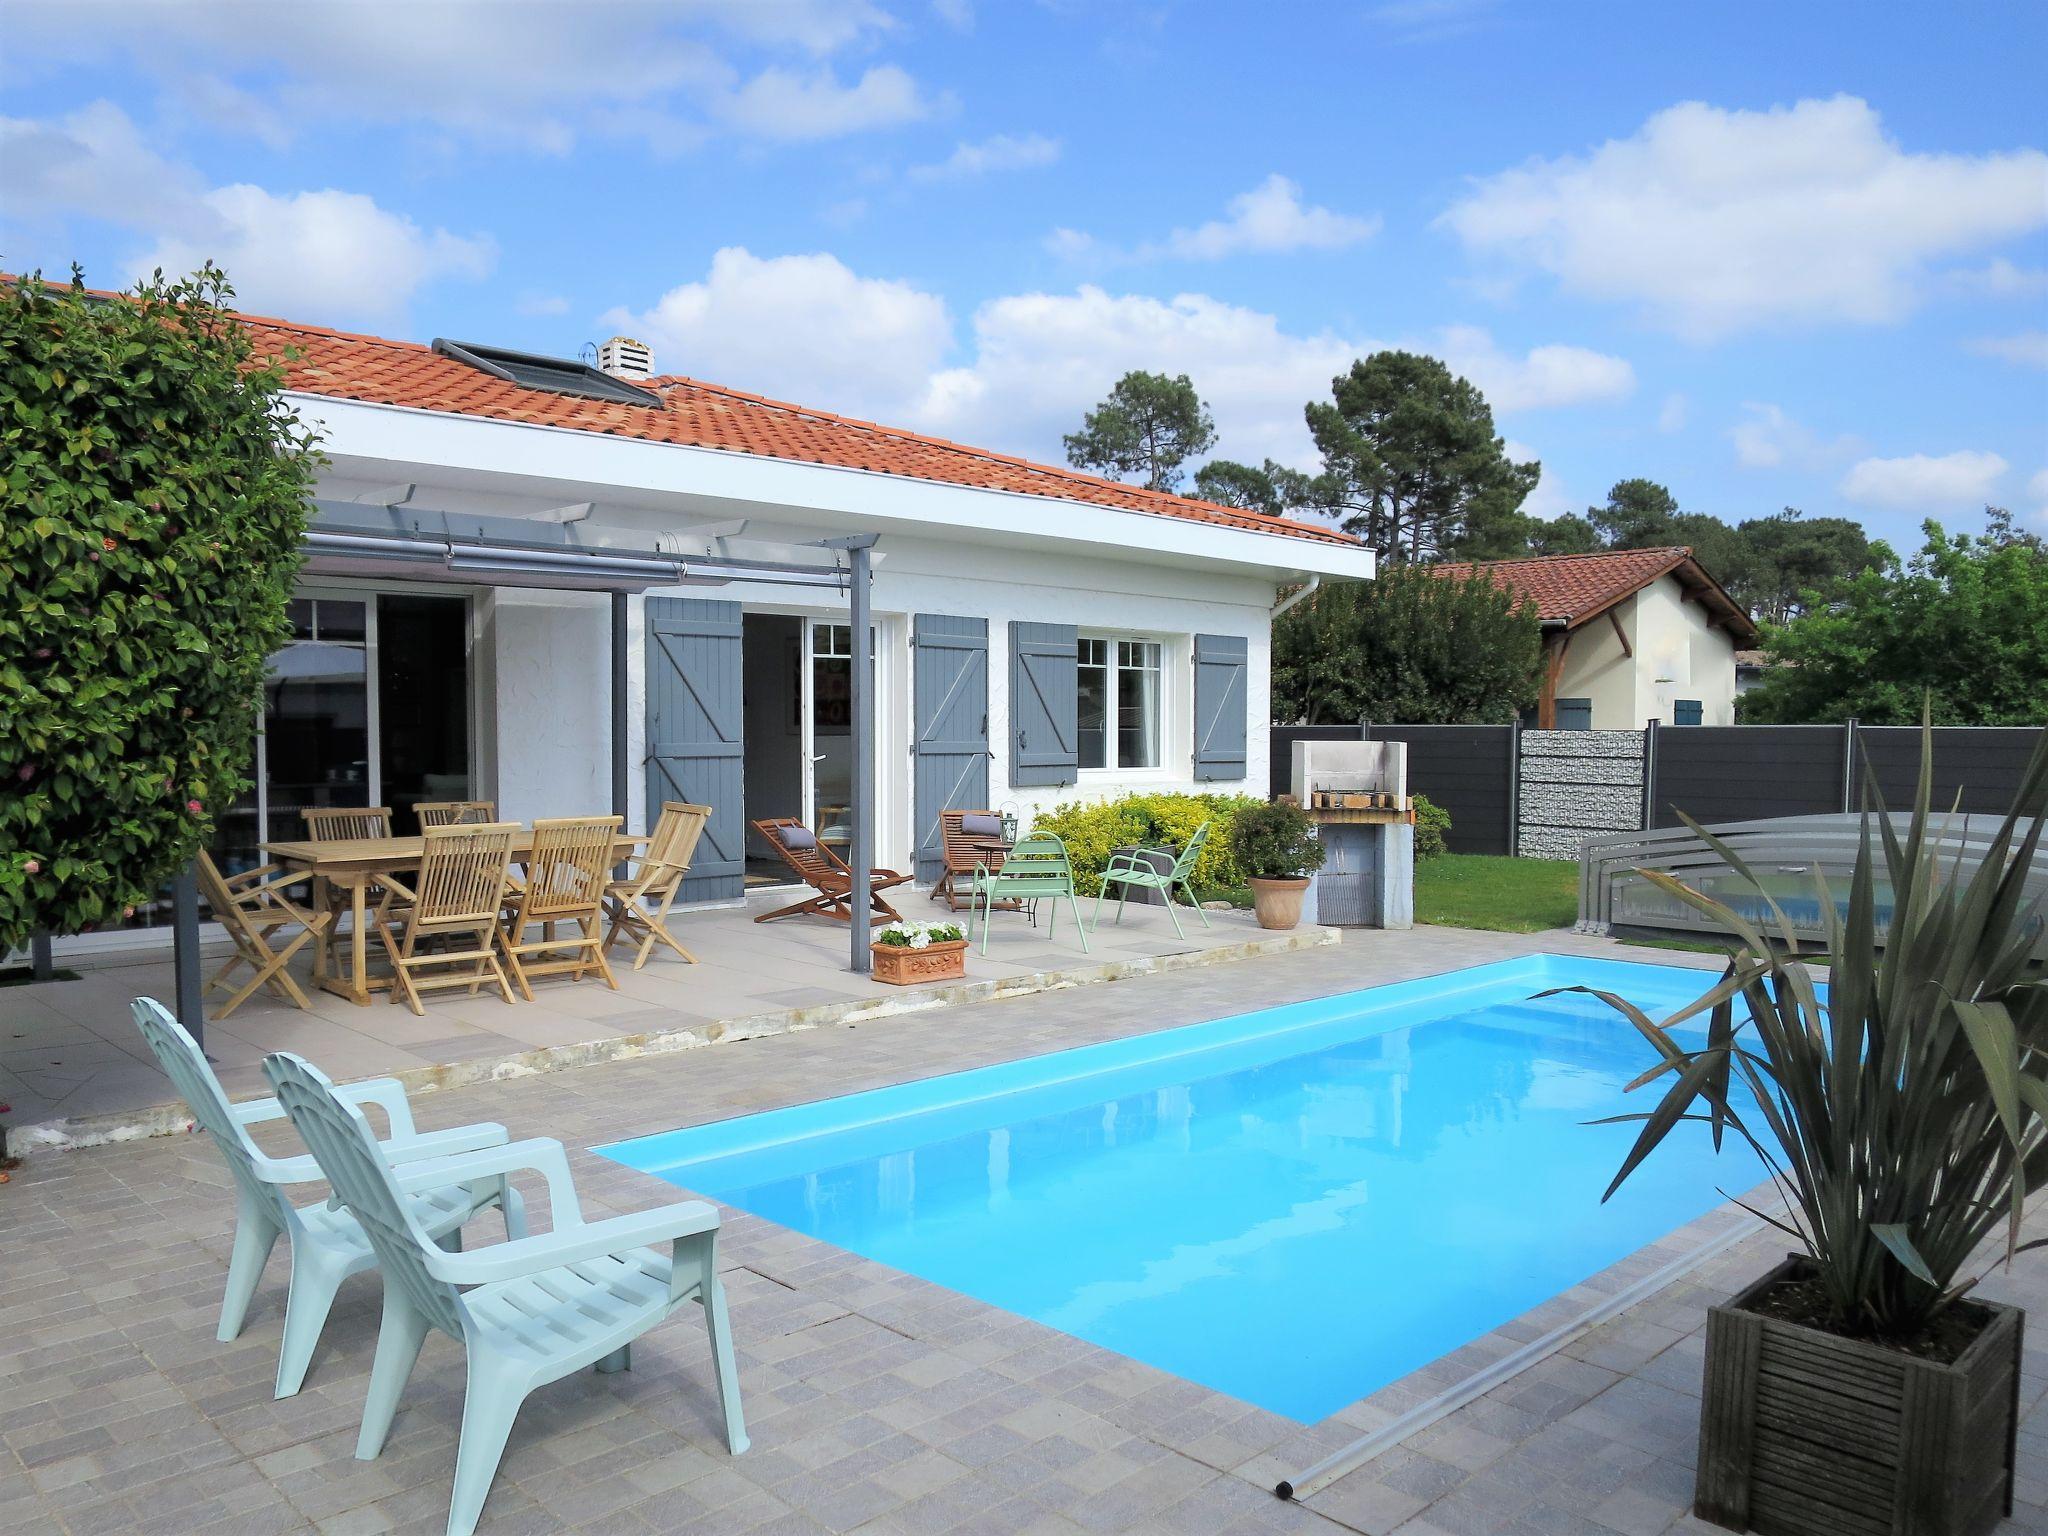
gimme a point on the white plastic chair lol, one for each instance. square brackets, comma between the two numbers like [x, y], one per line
[327, 1244]
[539, 1307]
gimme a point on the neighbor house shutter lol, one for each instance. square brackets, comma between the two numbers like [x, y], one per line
[1044, 696]
[949, 691]
[1220, 662]
[694, 745]
[1685, 712]
[1575, 714]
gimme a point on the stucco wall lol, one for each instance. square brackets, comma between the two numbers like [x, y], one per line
[550, 653]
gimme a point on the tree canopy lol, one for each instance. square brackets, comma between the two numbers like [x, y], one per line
[1230, 484]
[1411, 646]
[1149, 427]
[1412, 465]
[1965, 621]
[154, 493]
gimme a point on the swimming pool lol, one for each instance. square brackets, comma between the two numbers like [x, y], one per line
[1295, 1206]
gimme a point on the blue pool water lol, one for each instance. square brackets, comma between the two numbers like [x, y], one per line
[1295, 1206]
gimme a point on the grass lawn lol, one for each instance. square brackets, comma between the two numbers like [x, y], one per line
[1476, 890]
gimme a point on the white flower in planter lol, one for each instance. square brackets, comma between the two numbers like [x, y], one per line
[920, 940]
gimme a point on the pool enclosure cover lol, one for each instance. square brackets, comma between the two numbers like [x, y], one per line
[1787, 853]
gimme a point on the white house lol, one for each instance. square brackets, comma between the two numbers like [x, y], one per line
[1629, 636]
[510, 553]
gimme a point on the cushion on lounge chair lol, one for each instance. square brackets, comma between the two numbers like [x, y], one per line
[981, 824]
[797, 837]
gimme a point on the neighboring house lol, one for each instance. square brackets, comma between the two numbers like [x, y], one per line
[1750, 667]
[1629, 636]
[510, 553]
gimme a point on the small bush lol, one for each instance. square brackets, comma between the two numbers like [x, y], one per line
[1275, 842]
[1432, 823]
[1093, 830]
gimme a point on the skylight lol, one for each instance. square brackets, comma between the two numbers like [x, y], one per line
[558, 375]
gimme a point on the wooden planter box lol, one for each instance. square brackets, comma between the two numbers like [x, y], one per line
[1802, 1432]
[902, 966]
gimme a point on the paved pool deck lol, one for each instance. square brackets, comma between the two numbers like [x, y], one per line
[878, 1403]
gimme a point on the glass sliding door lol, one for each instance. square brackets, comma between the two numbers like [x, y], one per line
[422, 703]
[830, 712]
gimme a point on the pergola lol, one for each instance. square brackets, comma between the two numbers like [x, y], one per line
[568, 549]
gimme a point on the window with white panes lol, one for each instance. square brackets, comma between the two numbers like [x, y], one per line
[1118, 707]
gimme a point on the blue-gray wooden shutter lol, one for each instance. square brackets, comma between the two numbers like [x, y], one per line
[1575, 714]
[1044, 699]
[1685, 711]
[695, 677]
[1220, 662]
[949, 691]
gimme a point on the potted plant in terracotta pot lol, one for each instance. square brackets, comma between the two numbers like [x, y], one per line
[906, 952]
[1904, 1117]
[1276, 846]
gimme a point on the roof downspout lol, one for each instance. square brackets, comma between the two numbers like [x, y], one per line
[1295, 596]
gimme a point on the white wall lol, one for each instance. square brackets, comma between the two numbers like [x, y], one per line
[550, 652]
[1676, 655]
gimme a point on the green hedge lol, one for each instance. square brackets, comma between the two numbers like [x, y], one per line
[1432, 822]
[1093, 830]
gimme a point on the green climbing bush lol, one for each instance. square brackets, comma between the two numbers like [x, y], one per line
[1093, 829]
[1432, 823]
[154, 484]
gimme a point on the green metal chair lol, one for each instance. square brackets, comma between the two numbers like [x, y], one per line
[527, 1312]
[327, 1246]
[1036, 869]
[1133, 868]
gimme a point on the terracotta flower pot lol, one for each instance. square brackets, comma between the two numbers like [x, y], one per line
[1277, 903]
[901, 966]
[1803, 1431]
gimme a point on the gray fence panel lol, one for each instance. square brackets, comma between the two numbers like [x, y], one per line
[1281, 745]
[1466, 770]
[1982, 763]
[1717, 773]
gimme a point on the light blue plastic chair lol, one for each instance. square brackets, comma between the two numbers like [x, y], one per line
[537, 1309]
[327, 1244]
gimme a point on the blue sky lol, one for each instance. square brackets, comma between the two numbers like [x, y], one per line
[1769, 255]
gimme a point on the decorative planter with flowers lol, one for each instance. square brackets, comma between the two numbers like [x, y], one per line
[1276, 846]
[908, 953]
[1903, 1116]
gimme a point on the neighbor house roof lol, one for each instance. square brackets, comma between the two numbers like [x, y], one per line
[696, 414]
[1571, 590]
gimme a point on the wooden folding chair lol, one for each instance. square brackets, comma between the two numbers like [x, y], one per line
[454, 813]
[455, 905]
[825, 873]
[344, 823]
[958, 833]
[252, 907]
[566, 877]
[657, 878]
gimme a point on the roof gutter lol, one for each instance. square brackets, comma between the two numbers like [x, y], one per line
[1295, 596]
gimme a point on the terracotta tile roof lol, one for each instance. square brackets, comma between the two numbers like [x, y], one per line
[1573, 589]
[700, 415]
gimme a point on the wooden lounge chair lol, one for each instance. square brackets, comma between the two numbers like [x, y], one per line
[252, 907]
[959, 831]
[656, 879]
[457, 900]
[525, 1313]
[327, 1245]
[825, 873]
[566, 877]
[454, 813]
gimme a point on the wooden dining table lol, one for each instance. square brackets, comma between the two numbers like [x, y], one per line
[353, 864]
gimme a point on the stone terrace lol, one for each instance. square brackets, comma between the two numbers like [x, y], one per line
[877, 1403]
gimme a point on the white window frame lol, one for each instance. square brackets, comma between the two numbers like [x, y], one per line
[1161, 693]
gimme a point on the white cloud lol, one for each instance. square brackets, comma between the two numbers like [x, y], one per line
[1671, 416]
[1004, 152]
[1999, 279]
[802, 328]
[1919, 483]
[1549, 499]
[1271, 219]
[2028, 349]
[1713, 221]
[325, 255]
[1544, 376]
[957, 14]
[1767, 438]
[787, 105]
[539, 76]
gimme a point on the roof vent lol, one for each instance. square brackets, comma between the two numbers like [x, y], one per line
[624, 358]
[558, 375]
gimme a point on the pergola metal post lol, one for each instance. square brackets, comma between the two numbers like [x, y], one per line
[622, 772]
[863, 702]
[41, 967]
[185, 952]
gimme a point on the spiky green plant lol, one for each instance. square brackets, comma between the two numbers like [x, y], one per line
[1904, 1119]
